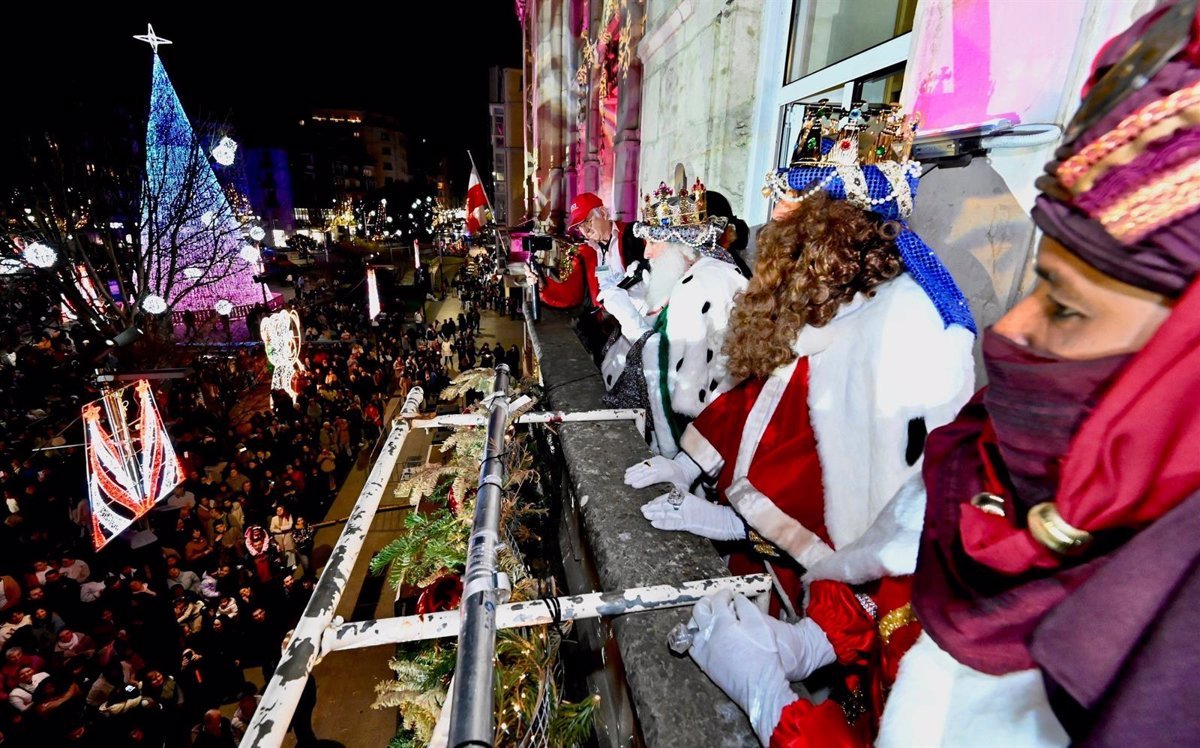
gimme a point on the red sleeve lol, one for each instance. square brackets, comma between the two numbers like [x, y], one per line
[567, 293]
[853, 633]
[715, 436]
[806, 725]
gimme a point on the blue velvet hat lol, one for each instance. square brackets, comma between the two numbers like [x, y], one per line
[868, 166]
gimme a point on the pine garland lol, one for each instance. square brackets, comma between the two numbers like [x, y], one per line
[434, 543]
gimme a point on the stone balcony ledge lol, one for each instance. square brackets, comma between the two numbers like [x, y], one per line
[653, 697]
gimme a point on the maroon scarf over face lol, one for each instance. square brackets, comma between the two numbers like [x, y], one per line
[982, 584]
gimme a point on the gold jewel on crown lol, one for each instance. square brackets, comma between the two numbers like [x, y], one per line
[676, 206]
[858, 136]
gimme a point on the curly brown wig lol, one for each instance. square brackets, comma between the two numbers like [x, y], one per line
[809, 263]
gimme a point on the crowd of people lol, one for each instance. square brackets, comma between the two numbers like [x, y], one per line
[144, 643]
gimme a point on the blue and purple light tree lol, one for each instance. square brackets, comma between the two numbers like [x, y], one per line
[192, 240]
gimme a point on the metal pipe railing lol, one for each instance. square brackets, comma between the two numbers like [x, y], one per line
[447, 623]
[278, 704]
[472, 718]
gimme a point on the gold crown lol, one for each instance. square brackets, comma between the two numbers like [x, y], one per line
[858, 136]
[677, 206]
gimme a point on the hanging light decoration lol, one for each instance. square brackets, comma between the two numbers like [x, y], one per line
[282, 337]
[249, 253]
[373, 307]
[130, 465]
[40, 255]
[225, 151]
[224, 307]
[207, 217]
[192, 272]
[9, 266]
[257, 233]
[154, 304]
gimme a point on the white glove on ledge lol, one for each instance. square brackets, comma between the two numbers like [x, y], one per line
[695, 515]
[616, 302]
[681, 471]
[734, 646]
[803, 647]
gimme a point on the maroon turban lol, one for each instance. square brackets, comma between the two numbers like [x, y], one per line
[1124, 192]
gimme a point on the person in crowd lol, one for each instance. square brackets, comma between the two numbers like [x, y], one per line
[870, 358]
[610, 251]
[677, 331]
[1054, 570]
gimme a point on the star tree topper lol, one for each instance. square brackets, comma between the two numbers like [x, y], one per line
[151, 38]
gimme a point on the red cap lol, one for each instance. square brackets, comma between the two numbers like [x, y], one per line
[581, 207]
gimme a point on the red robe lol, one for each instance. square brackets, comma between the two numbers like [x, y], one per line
[785, 466]
[787, 469]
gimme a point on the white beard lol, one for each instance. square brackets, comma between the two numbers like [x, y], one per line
[666, 269]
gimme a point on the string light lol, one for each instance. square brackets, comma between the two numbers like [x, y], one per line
[225, 151]
[126, 476]
[154, 304]
[40, 255]
[282, 337]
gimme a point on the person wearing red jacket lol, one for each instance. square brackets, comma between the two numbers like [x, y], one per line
[610, 251]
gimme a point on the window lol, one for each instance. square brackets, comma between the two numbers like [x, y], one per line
[824, 32]
[385, 136]
[846, 51]
[387, 151]
[387, 165]
[300, 214]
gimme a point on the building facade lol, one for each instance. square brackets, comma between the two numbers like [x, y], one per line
[623, 90]
[583, 95]
[269, 188]
[506, 106]
[339, 157]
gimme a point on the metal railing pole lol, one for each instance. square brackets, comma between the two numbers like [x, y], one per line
[278, 704]
[472, 717]
[446, 623]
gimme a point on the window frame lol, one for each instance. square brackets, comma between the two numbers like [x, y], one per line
[771, 128]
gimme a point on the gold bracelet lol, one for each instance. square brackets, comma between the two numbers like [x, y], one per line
[1048, 527]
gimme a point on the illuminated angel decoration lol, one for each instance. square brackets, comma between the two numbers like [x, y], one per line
[282, 337]
[131, 465]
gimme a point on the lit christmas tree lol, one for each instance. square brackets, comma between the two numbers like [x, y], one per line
[192, 234]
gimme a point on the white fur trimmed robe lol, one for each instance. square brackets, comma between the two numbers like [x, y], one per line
[879, 369]
[697, 316]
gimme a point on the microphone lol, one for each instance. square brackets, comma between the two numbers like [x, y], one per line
[634, 275]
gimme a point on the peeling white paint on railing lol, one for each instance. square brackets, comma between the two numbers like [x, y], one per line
[274, 714]
[444, 624]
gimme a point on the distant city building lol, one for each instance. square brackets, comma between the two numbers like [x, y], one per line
[506, 105]
[269, 187]
[339, 157]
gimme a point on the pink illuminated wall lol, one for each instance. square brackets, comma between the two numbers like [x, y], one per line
[982, 60]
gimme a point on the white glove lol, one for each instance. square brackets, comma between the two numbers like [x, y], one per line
[695, 515]
[531, 278]
[681, 471]
[616, 302]
[734, 647]
[803, 647]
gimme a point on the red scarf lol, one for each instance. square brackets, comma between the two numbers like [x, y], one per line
[983, 583]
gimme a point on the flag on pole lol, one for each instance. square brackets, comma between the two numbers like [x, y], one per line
[476, 203]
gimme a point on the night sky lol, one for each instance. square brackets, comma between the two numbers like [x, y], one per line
[260, 69]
